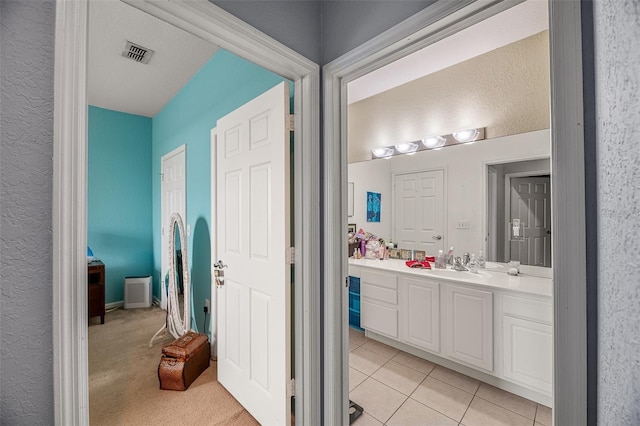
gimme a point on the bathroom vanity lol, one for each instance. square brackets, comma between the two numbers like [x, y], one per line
[491, 326]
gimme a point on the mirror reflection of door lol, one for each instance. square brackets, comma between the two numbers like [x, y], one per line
[419, 211]
[530, 199]
[519, 190]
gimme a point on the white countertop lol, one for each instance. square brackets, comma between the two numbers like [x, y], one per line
[491, 277]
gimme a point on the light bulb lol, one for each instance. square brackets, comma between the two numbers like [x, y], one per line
[406, 147]
[382, 152]
[433, 141]
[466, 135]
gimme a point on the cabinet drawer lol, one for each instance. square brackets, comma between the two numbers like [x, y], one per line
[379, 319]
[379, 279]
[537, 310]
[379, 293]
[379, 286]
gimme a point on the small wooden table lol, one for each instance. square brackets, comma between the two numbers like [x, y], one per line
[95, 282]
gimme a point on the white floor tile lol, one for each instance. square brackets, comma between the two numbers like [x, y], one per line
[507, 400]
[444, 398]
[453, 378]
[377, 400]
[355, 378]
[484, 413]
[399, 377]
[365, 361]
[422, 365]
[414, 413]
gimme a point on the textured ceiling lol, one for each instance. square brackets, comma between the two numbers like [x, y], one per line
[120, 84]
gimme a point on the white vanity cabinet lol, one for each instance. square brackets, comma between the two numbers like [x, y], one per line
[527, 335]
[491, 326]
[420, 318]
[469, 325]
[379, 302]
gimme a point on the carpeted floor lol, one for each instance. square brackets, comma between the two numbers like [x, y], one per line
[123, 378]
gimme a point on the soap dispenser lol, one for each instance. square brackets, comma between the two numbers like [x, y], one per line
[473, 264]
[440, 263]
[482, 261]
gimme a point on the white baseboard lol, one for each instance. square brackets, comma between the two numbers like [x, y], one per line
[113, 305]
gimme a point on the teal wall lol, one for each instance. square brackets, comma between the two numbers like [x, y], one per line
[223, 84]
[119, 196]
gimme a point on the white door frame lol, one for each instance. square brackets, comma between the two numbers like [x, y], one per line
[207, 21]
[568, 192]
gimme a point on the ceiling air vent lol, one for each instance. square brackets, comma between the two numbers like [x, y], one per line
[137, 53]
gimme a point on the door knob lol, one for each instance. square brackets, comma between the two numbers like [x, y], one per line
[219, 265]
[437, 237]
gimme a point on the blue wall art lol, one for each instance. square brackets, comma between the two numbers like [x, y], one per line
[373, 206]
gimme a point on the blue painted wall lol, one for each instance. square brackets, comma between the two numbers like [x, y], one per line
[119, 196]
[223, 84]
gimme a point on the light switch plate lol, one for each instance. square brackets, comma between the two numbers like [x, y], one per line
[462, 224]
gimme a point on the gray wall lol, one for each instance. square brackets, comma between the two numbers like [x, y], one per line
[617, 83]
[346, 24]
[296, 24]
[323, 30]
[26, 88]
[26, 150]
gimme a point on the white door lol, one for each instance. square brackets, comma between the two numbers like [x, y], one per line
[173, 190]
[531, 203]
[252, 213]
[419, 211]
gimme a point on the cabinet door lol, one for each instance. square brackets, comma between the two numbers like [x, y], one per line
[469, 326]
[528, 352]
[421, 320]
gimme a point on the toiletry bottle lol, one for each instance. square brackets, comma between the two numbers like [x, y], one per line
[482, 262]
[473, 264]
[449, 256]
[440, 264]
[363, 248]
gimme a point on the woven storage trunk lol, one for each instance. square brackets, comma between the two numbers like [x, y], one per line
[183, 361]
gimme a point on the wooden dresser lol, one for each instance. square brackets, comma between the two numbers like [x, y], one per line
[95, 282]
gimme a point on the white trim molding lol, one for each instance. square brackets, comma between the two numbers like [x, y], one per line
[568, 214]
[204, 19]
[433, 23]
[70, 355]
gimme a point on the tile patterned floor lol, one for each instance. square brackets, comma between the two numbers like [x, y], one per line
[396, 388]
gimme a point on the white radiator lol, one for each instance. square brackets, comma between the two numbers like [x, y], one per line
[137, 292]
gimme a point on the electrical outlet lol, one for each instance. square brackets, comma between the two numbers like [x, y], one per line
[207, 304]
[462, 224]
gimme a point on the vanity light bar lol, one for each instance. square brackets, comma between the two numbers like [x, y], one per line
[431, 142]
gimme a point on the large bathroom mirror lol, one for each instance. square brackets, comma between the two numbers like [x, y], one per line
[465, 195]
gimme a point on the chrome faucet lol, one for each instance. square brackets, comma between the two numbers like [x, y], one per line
[457, 264]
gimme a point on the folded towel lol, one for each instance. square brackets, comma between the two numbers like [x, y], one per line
[417, 264]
